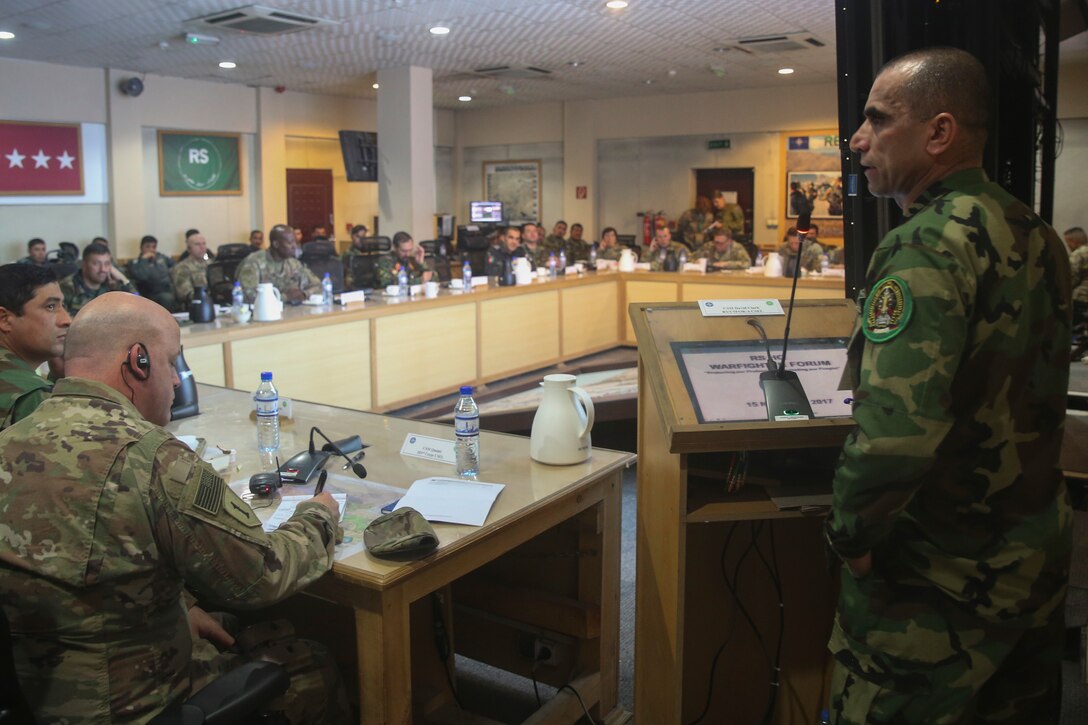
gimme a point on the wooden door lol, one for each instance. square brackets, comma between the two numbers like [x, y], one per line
[309, 200]
[742, 181]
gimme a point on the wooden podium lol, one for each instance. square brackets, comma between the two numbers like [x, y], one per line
[698, 655]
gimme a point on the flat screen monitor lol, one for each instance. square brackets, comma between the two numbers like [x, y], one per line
[485, 212]
[360, 150]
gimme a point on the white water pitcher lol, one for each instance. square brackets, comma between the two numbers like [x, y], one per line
[562, 423]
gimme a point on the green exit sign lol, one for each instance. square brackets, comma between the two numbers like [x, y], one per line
[721, 143]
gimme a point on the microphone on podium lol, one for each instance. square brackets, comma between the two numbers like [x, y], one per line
[782, 390]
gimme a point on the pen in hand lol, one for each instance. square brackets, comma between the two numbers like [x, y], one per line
[321, 482]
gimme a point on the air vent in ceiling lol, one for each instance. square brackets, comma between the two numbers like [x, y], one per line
[511, 72]
[776, 43]
[261, 20]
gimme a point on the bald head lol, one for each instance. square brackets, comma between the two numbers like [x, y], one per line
[944, 80]
[107, 330]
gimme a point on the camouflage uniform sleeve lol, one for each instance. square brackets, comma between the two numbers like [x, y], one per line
[249, 275]
[28, 403]
[737, 258]
[68, 289]
[216, 543]
[183, 283]
[345, 262]
[385, 273]
[812, 258]
[901, 405]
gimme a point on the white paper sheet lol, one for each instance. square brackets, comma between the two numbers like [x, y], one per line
[287, 507]
[452, 500]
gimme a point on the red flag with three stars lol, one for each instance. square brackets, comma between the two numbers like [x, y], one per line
[40, 158]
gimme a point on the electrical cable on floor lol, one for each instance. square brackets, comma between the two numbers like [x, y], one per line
[585, 709]
[776, 672]
[536, 689]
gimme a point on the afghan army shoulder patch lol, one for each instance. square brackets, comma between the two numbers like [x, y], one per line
[887, 309]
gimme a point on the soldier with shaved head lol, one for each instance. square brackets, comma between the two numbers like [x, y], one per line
[950, 511]
[111, 529]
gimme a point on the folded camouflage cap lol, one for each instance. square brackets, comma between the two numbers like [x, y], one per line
[401, 534]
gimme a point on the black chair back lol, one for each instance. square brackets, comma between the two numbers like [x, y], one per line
[221, 280]
[439, 263]
[318, 249]
[233, 251]
[376, 245]
[364, 271]
[627, 240]
[62, 269]
[319, 265]
[69, 251]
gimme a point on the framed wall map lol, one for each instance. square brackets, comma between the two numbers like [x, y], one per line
[199, 164]
[517, 185]
[812, 175]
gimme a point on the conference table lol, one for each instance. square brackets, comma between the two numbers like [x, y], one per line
[543, 568]
[393, 352]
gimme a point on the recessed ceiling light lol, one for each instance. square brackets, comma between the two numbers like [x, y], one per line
[440, 30]
[785, 71]
[228, 64]
[464, 99]
[7, 35]
[649, 81]
[576, 63]
[616, 4]
[374, 86]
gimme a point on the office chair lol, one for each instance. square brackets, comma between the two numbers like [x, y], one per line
[236, 697]
[62, 268]
[440, 263]
[320, 264]
[69, 251]
[221, 280]
[318, 249]
[364, 271]
[232, 251]
[376, 245]
[627, 240]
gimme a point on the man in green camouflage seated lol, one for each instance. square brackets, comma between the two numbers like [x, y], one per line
[111, 530]
[950, 511]
[96, 276]
[724, 253]
[33, 325]
[407, 254]
[278, 265]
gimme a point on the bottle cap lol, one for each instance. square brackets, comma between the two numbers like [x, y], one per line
[466, 390]
[266, 376]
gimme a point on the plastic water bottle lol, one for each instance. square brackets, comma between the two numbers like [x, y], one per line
[466, 276]
[326, 290]
[267, 399]
[552, 264]
[825, 262]
[402, 282]
[825, 717]
[562, 262]
[466, 416]
[593, 256]
[682, 258]
[237, 296]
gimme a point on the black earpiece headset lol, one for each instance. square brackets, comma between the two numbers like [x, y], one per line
[138, 361]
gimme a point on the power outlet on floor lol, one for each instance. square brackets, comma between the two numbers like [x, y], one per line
[544, 651]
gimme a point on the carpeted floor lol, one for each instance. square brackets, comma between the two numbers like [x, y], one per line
[510, 699]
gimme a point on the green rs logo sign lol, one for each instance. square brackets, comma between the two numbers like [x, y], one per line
[199, 164]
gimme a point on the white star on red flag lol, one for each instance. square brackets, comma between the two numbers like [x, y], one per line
[65, 160]
[15, 159]
[41, 161]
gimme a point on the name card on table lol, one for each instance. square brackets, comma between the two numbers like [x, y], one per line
[740, 308]
[428, 448]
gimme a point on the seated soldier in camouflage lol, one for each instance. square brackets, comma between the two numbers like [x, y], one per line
[724, 253]
[811, 256]
[659, 249]
[278, 265]
[33, 325]
[96, 276]
[557, 240]
[534, 245]
[151, 273]
[359, 232]
[407, 254]
[107, 521]
[191, 272]
[577, 247]
[609, 248]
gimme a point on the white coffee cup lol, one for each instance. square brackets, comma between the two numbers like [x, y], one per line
[430, 289]
[241, 314]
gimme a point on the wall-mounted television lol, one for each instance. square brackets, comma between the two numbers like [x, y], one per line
[485, 212]
[360, 150]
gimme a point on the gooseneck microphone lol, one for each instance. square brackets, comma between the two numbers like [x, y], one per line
[356, 467]
[782, 390]
[771, 367]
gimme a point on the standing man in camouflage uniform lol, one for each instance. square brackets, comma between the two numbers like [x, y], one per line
[107, 520]
[406, 253]
[191, 272]
[278, 265]
[724, 253]
[950, 511]
[694, 223]
[811, 255]
[151, 273]
[96, 276]
[33, 325]
[727, 214]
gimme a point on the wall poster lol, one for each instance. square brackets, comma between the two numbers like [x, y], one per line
[813, 179]
[199, 164]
